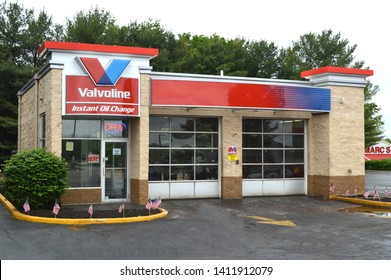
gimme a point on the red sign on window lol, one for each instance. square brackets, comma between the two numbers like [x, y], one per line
[93, 159]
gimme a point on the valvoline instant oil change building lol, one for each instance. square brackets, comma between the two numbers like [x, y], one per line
[129, 133]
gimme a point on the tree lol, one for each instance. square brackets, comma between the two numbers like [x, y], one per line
[262, 59]
[95, 27]
[20, 37]
[373, 121]
[326, 49]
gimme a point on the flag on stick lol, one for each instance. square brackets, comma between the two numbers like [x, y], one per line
[332, 188]
[157, 203]
[386, 192]
[149, 205]
[355, 192]
[121, 209]
[90, 210]
[347, 192]
[376, 195]
[56, 209]
[26, 206]
[366, 194]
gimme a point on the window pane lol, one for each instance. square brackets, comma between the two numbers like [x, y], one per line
[273, 140]
[159, 123]
[252, 140]
[252, 125]
[252, 171]
[207, 140]
[206, 156]
[159, 139]
[207, 124]
[207, 172]
[294, 126]
[158, 173]
[272, 156]
[272, 126]
[80, 128]
[272, 171]
[182, 124]
[83, 158]
[293, 156]
[184, 140]
[182, 156]
[159, 156]
[294, 141]
[182, 173]
[294, 171]
[252, 156]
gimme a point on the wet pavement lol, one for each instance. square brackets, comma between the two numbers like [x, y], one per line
[270, 228]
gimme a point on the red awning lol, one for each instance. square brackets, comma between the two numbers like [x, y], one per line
[376, 156]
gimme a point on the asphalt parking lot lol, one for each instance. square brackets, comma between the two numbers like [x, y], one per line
[269, 228]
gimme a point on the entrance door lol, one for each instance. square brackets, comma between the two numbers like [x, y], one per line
[115, 170]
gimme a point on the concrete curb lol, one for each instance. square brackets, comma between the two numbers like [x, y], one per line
[372, 203]
[67, 221]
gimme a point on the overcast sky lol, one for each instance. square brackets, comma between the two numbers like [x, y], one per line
[364, 23]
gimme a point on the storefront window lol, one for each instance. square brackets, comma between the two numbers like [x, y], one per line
[81, 148]
[183, 148]
[273, 148]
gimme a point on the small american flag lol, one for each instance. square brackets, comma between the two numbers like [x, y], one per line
[158, 202]
[332, 188]
[386, 192]
[121, 208]
[355, 191]
[347, 192]
[56, 208]
[366, 194]
[26, 206]
[149, 204]
[375, 195]
[90, 210]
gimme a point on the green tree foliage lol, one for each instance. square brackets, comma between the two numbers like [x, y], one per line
[97, 26]
[373, 121]
[37, 175]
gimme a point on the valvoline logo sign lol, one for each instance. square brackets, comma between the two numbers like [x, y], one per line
[102, 90]
[103, 76]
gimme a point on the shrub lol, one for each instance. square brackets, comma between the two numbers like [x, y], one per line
[384, 164]
[36, 174]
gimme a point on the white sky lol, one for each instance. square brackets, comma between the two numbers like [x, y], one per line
[364, 23]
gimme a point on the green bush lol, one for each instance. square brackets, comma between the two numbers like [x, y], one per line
[36, 174]
[384, 164]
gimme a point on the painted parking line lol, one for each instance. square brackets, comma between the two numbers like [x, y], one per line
[264, 220]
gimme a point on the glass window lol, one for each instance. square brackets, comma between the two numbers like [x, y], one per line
[182, 173]
[293, 156]
[207, 140]
[252, 125]
[159, 123]
[81, 128]
[83, 158]
[207, 124]
[272, 171]
[252, 171]
[182, 156]
[161, 156]
[183, 140]
[206, 156]
[191, 142]
[294, 126]
[274, 126]
[276, 152]
[272, 156]
[159, 139]
[207, 172]
[252, 141]
[252, 156]
[182, 124]
[158, 173]
[273, 141]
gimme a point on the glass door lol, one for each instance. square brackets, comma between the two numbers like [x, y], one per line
[115, 170]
